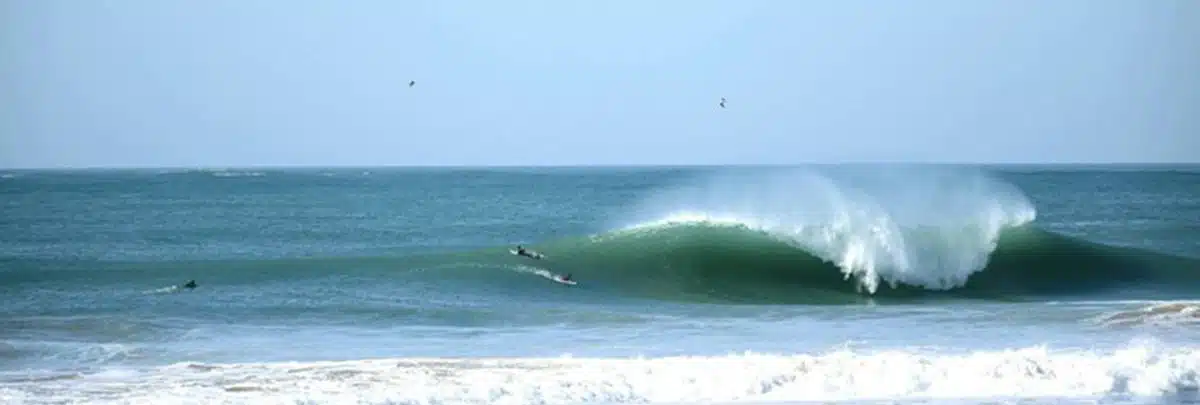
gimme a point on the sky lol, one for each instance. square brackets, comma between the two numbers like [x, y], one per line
[153, 83]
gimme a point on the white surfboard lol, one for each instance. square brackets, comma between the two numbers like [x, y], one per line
[559, 279]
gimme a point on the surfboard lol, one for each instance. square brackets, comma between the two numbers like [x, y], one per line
[536, 255]
[559, 279]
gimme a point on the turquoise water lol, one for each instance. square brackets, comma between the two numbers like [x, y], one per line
[859, 283]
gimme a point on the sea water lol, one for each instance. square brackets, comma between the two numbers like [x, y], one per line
[859, 284]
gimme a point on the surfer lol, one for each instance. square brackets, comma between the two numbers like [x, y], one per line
[191, 284]
[522, 252]
[567, 277]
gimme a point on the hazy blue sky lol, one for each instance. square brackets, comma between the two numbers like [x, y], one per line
[220, 83]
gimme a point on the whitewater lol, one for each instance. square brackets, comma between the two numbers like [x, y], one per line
[828, 284]
[1030, 373]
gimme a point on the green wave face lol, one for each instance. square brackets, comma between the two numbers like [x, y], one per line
[706, 262]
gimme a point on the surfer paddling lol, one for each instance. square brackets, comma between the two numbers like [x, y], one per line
[521, 251]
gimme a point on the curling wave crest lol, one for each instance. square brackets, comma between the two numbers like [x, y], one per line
[918, 226]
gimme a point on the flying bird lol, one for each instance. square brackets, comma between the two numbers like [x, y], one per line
[722, 103]
[411, 83]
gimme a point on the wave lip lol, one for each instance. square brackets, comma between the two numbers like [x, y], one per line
[920, 227]
[1035, 372]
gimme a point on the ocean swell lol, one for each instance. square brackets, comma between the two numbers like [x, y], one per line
[765, 235]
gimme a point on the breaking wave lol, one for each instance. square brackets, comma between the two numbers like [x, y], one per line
[783, 236]
[923, 227]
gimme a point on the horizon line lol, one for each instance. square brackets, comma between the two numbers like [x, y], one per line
[589, 165]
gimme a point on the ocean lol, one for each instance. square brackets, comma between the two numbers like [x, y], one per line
[931, 284]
